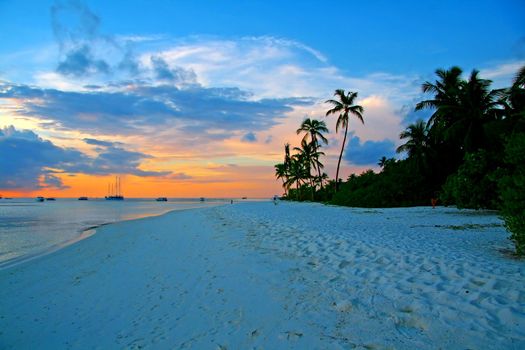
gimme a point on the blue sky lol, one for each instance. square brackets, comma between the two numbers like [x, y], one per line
[357, 36]
[147, 81]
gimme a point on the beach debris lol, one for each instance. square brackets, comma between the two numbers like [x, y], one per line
[293, 335]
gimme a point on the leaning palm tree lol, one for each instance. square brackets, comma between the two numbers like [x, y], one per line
[344, 106]
[314, 129]
[281, 173]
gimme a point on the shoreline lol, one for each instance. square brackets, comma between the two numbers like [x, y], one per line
[84, 234]
[285, 276]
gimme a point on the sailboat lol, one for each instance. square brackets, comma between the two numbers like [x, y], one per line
[114, 192]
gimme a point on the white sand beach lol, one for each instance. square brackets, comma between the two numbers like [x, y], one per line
[265, 276]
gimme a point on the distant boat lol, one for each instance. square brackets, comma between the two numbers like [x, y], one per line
[39, 199]
[114, 193]
[82, 198]
[244, 197]
[202, 199]
[162, 199]
[50, 199]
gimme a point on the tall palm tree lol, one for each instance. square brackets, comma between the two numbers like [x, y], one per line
[314, 129]
[344, 106]
[462, 108]
[287, 158]
[478, 106]
[446, 92]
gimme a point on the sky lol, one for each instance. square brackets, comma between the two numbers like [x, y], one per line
[197, 98]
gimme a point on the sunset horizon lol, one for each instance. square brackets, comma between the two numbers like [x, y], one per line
[185, 109]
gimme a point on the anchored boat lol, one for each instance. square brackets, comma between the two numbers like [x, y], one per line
[115, 192]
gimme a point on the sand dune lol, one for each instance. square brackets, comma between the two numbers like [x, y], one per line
[286, 276]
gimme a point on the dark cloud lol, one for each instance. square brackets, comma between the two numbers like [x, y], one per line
[116, 160]
[27, 160]
[269, 139]
[72, 20]
[368, 152]
[129, 63]
[175, 75]
[249, 137]
[79, 62]
[30, 162]
[136, 107]
[98, 142]
[82, 45]
[52, 181]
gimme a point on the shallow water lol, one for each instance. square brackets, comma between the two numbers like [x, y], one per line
[30, 228]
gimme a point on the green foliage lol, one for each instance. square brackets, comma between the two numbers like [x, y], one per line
[471, 153]
[473, 185]
[389, 188]
[512, 188]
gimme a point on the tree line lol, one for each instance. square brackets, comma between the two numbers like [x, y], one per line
[469, 153]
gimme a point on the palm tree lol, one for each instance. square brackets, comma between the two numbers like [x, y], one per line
[314, 129]
[321, 179]
[417, 143]
[417, 137]
[478, 106]
[281, 173]
[514, 101]
[343, 107]
[287, 158]
[446, 96]
[462, 108]
[382, 162]
[296, 174]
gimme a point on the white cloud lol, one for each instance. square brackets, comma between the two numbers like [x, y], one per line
[502, 74]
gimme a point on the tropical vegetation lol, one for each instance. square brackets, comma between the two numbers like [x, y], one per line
[469, 153]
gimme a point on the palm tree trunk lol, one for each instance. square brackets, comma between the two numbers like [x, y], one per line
[339, 161]
[284, 187]
[316, 146]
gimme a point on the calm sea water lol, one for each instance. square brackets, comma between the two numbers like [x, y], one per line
[29, 228]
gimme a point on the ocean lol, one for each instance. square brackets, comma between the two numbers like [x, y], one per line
[29, 228]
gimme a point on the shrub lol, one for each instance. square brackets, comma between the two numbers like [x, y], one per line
[474, 185]
[512, 189]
